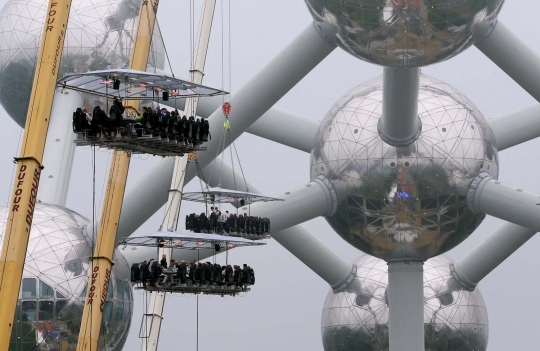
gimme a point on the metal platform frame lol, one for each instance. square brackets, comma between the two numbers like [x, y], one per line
[148, 143]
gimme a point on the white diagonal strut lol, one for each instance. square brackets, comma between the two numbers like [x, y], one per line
[278, 125]
[514, 57]
[492, 197]
[251, 102]
[59, 149]
[266, 88]
[172, 209]
[487, 256]
[516, 127]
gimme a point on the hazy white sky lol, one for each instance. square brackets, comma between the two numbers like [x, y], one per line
[283, 311]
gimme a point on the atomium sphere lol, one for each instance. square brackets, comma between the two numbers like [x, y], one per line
[357, 318]
[99, 32]
[404, 33]
[53, 289]
[404, 203]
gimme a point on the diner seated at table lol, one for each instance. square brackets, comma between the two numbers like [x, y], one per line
[195, 273]
[227, 224]
[148, 122]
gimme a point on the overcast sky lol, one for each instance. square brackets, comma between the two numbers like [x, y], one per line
[283, 311]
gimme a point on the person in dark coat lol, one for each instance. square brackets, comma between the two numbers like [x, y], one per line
[155, 271]
[135, 272]
[205, 223]
[218, 277]
[199, 273]
[204, 131]
[187, 129]
[192, 222]
[237, 275]
[208, 272]
[230, 224]
[154, 120]
[163, 261]
[229, 275]
[240, 223]
[192, 269]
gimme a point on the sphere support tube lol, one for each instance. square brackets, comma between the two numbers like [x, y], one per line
[249, 104]
[514, 57]
[487, 256]
[266, 88]
[406, 306]
[59, 149]
[399, 124]
[517, 127]
[506, 202]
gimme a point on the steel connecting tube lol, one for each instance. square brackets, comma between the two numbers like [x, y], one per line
[399, 124]
[406, 305]
[29, 166]
[489, 196]
[487, 256]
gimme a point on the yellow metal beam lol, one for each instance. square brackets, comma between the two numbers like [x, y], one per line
[100, 271]
[29, 163]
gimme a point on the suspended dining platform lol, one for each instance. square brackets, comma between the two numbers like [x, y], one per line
[119, 130]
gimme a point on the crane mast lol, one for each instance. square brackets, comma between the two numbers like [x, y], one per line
[29, 164]
[157, 299]
[100, 271]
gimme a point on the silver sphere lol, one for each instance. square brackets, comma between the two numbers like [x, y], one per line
[404, 203]
[99, 32]
[357, 319]
[404, 33]
[53, 289]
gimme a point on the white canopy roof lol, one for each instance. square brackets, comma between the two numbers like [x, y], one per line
[221, 195]
[134, 85]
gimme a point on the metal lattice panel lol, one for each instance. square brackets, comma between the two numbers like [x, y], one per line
[404, 202]
[357, 319]
[53, 291]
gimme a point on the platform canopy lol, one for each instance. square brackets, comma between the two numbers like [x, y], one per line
[134, 85]
[220, 195]
[184, 239]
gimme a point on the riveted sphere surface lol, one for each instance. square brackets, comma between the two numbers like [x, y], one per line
[357, 318]
[404, 33]
[53, 289]
[404, 202]
[99, 32]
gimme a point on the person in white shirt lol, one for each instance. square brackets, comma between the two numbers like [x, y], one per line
[88, 116]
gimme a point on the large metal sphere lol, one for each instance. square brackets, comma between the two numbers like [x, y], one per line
[404, 33]
[99, 32]
[357, 319]
[404, 202]
[53, 289]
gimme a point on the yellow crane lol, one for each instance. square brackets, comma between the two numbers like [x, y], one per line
[100, 271]
[29, 164]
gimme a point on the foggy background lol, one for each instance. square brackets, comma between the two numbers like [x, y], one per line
[283, 310]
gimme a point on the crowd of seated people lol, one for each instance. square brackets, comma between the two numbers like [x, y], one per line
[219, 223]
[150, 273]
[151, 120]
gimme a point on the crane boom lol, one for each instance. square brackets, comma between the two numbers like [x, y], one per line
[157, 299]
[29, 163]
[98, 282]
